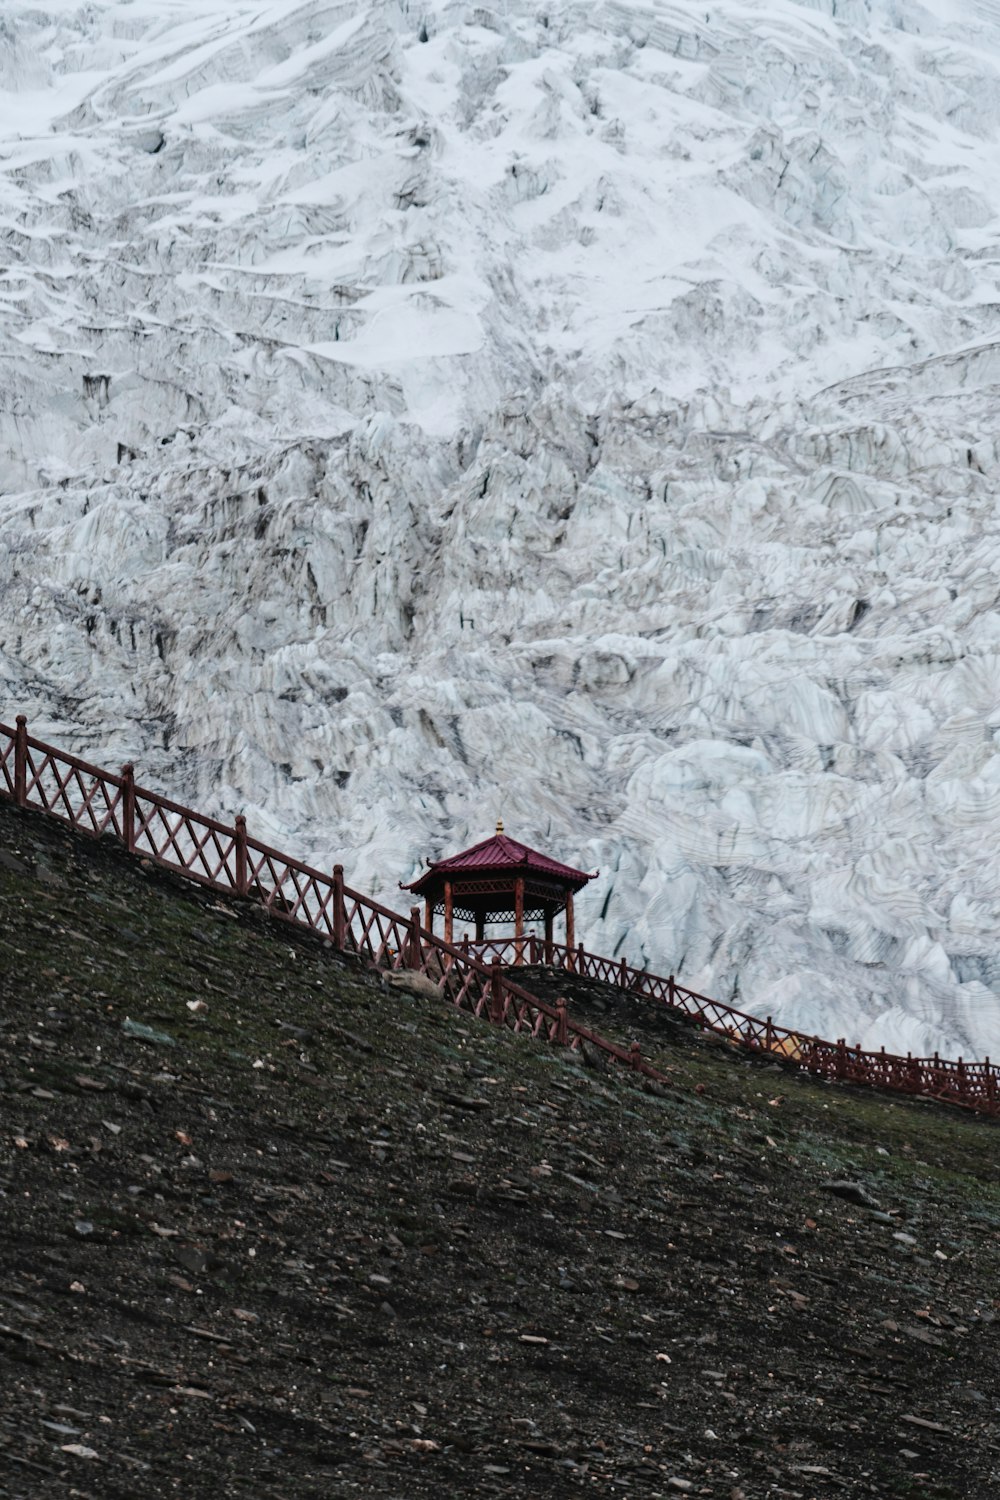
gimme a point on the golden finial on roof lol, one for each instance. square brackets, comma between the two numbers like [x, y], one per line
[499, 825]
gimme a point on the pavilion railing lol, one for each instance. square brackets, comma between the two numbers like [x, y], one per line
[512, 952]
[476, 977]
[97, 802]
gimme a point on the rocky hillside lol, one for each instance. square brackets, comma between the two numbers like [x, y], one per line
[270, 1229]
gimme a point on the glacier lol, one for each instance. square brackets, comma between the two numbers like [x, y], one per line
[585, 413]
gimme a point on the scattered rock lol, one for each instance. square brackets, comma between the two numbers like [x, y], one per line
[851, 1192]
[192, 1259]
[414, 982]
[145, 1033]
[595, 1058]
[925, 1425]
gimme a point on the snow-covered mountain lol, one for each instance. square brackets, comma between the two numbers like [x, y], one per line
[585, 411]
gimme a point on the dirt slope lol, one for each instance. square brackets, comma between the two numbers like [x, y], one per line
[270, 1229]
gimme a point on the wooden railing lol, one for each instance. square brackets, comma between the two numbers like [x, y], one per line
[96, 802]
[475, 976]
[973, 1084]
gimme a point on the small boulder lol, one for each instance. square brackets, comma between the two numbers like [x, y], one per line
[852, 1192]
[413, 982]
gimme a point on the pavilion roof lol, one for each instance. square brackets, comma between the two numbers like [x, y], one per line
[500, 855]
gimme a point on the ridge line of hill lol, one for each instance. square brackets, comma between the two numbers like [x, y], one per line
[205, 850]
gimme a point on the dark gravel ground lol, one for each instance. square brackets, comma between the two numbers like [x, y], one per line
[271, 1229]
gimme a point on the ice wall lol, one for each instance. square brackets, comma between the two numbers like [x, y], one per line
[585, 412]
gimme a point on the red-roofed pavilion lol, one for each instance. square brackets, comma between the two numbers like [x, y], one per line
[500, 880]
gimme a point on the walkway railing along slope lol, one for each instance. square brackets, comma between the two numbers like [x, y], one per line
[93, 801]
[974, 1084]
[36, 775]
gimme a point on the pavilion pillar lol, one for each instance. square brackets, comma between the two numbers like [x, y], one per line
[480, 926]
[570, 931]
[519, 920]
[428, 914]
[548, 935]
[448, 924]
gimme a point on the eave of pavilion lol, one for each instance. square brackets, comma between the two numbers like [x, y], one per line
[499, 880]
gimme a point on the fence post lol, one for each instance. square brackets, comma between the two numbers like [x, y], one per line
[841, 1057]
[671, 990]
[623, 975]
[21, 761]
[579, 959]
[416, 954]
[242, 861]
[769, 1035]
[635, 1056]
[496, 992]
[128, 806]
[562, 1027]
[339, 912]
[532, 950]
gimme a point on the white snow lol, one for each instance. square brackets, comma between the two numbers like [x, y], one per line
[588, 414]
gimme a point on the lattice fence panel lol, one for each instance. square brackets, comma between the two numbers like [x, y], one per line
[376, 934]
[289, 889]
[69, 789]
[202, 849]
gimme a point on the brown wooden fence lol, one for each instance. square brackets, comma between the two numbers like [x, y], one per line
[973, 1084]
[475, 976]
[36, 775]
